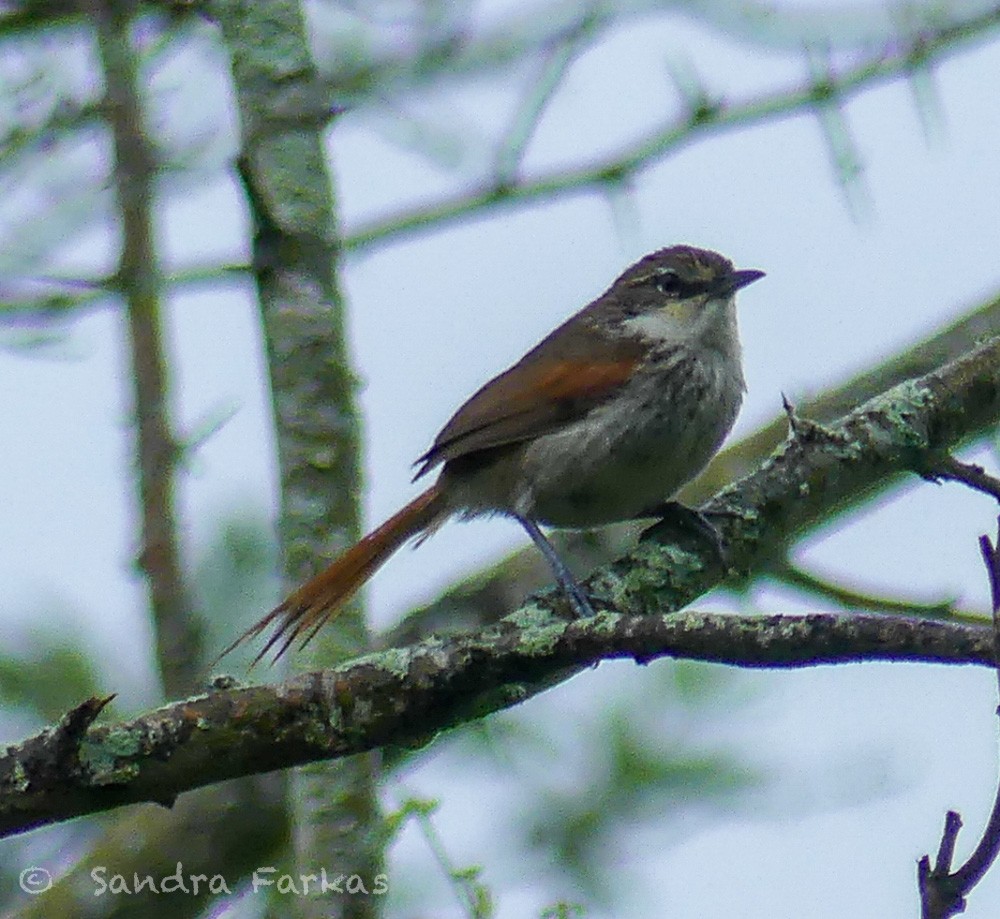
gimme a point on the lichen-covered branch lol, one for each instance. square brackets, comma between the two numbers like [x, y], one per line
[178, 633]
[946, 345]
[406, 695]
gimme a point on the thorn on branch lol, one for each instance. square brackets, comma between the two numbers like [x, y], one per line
[72, 727]
[528, 116]
[203, 430]
[926, 97]
[698, 104]
[825, 94]
[624, 209]
[805, 430]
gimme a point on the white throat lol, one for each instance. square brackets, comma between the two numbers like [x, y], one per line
[714, 327]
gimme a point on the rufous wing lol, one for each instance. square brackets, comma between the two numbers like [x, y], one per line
[549, 388]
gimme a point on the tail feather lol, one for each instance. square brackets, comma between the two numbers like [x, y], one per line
[311, 606]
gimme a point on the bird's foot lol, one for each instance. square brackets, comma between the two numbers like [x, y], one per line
[677, 518]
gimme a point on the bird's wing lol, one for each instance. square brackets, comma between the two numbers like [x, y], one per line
[540, 394]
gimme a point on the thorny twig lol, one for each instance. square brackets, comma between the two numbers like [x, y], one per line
[943, 892]
[675, 133]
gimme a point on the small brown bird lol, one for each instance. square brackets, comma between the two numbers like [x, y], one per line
[603, 421]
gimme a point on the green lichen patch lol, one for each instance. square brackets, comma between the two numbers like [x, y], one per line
[108, 760]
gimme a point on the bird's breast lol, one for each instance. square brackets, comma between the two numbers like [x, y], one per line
[635, 451]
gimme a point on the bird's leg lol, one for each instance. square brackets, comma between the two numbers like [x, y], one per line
[564, 577]
[675, 516]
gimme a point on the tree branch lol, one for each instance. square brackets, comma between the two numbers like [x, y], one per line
[405, 696]
[705, 121]
[942, 891]
[178, 635]
[849, 598]
[285, 176]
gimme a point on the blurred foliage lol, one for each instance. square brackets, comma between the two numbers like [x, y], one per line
[55, 676]
[642, 769]
[563, 911]
[466, 881]
[235, 578]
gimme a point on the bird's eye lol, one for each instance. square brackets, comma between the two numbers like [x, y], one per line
[668, 282]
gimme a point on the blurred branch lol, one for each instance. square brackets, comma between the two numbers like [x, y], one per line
[837, 25]
[67, 202]
[65, 115]
[404, 696]
[691, 125]
[458, 54]
[953, 470]
[178, 633]
[519, 36]
[926, 97]
[25, 15]
[60, 297]
[295, 258]
[793, 576]
[553, 68]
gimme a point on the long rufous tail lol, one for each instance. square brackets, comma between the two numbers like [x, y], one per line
[322, 597]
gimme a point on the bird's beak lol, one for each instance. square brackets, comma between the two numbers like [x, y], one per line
[740, 279]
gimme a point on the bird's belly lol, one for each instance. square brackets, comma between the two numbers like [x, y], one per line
[618, 463]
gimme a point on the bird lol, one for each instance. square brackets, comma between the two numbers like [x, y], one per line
[603, 421]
